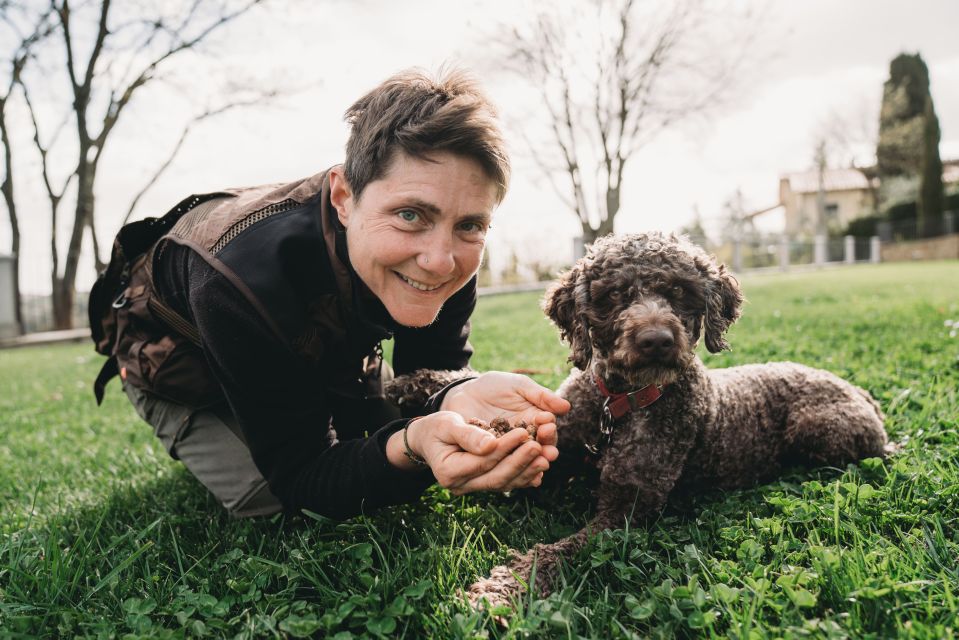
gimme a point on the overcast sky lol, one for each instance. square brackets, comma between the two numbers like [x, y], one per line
[814, 58]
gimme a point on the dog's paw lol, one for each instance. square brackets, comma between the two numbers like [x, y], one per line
[892, 448]
[412, 390]
[496, 594]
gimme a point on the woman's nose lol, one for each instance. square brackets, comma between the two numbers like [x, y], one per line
[437, 257]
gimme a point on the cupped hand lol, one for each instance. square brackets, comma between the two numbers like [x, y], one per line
[465, 458]
[497, 394]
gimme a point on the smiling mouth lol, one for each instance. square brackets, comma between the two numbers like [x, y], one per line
[419, 286]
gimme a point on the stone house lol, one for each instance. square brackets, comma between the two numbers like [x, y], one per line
[848, 194]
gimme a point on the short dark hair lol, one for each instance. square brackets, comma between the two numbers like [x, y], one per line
[419, 114]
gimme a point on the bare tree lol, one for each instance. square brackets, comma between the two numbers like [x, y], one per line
[737, 228]
[612, 75]
[848, 138]
[695, 230]
[850, 132]
[260, 98]
[108, 55]
[25, 29]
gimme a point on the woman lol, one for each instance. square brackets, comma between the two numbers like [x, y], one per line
[251, 331]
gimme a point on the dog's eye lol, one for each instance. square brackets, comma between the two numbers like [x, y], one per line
[677, 291]
[615, 295]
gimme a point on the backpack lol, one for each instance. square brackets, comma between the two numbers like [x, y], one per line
[147, 343]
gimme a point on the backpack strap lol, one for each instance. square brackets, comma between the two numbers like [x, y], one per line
[107, 371]
[174, 320]
[133, 240]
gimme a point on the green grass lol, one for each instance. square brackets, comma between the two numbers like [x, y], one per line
[102, 535]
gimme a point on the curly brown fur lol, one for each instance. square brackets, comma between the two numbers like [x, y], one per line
[633, 310]
[410, 391]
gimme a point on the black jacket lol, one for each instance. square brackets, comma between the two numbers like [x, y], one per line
[280, 332]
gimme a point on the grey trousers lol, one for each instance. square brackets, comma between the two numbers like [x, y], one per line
[208, 442]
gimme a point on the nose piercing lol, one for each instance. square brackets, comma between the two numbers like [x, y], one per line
[426, 259]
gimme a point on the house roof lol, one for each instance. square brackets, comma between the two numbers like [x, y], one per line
[769, 220]
[852, 179]
[833, 180]
[772, 210]
[950, 171]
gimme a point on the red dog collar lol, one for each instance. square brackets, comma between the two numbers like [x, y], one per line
[619, 404]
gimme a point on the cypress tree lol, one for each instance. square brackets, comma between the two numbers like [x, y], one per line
[931, 194]
[900, 128]
[908, 150]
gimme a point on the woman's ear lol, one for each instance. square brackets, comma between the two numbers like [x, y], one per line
[560, 306]
[341, 196]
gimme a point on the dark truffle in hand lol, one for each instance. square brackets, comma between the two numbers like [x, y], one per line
[501, 426]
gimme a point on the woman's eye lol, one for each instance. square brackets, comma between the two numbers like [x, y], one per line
[408, 215]
[473, 228]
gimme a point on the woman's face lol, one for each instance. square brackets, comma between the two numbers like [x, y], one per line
[416, 235]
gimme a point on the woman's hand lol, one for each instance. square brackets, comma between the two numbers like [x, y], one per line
[512, 396]
[465, 458]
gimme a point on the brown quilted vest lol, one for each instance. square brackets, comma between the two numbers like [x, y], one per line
[154, 348]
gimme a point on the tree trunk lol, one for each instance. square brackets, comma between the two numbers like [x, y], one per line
[15, 249]
[17, 298]
[930, 200]
[869, 173]
[63, 301]
[612, 208]
[590, 235]
[98, 264]
[7, 189]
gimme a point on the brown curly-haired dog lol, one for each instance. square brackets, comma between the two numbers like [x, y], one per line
[633, 310]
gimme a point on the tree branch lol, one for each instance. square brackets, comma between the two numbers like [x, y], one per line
[549, 173]
[116, 106]
[63, 11]
[44, 150]
[637, 86]
[209, 113]
[97, 44]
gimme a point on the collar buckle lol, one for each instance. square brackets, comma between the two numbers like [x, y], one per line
[618, 405]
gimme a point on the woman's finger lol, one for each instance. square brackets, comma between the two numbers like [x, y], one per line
[457, 468]
[546, 434]
[462, 469]
[526, 478]
[550, 453]
[508, 443]
[501, 477]
[543, 418]
[473, 439]
[541, 397]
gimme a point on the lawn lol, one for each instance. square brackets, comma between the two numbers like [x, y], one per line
[102, 535]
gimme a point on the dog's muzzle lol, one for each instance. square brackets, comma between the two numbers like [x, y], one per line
[656, 344]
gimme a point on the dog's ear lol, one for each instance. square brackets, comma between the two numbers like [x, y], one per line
[723, 303]
[560, 304]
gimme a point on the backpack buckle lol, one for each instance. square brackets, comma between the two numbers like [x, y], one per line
[120, 301]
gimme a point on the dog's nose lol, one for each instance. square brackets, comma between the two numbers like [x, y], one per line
[655, 343]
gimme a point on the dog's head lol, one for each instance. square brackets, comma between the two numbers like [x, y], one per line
[635, 306]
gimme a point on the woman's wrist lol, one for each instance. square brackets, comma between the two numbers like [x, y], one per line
[402, 448]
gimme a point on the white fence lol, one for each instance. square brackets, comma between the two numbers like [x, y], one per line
[785, 252]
